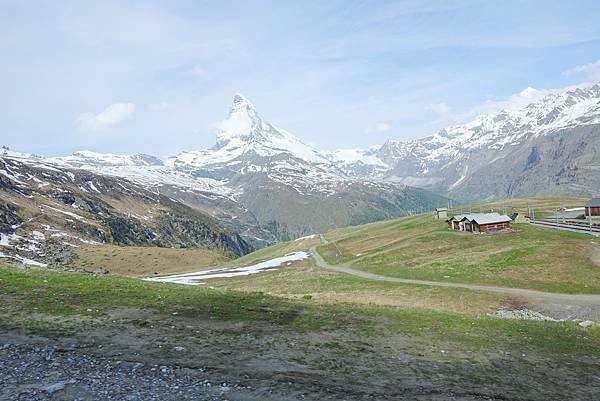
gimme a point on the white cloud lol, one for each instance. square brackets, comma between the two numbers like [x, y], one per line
[590, 70]
[199, 72]
[514, 102]
[439, 108]
[111, 115]
[378, 128]
[160, 106]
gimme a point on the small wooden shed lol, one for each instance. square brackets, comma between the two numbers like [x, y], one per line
[441, 213]
[592, 208]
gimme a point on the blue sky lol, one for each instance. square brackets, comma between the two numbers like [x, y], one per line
[148, 76]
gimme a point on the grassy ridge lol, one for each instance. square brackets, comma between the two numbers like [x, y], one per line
[421, 247]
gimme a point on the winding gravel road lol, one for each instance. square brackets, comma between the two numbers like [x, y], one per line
[561, 306]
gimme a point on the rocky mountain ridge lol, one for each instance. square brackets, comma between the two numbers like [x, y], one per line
[46, 211]
[511, 153]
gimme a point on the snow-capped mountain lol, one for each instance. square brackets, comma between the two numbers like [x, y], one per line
[266, 184]
[262, 181]
[247, 144]
[244, 132]
[548, 147]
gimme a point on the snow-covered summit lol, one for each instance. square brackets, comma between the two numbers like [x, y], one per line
[244, 136]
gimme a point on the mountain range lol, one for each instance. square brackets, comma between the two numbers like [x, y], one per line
[267, 185]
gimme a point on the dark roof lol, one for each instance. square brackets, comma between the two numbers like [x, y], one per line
[594, 202]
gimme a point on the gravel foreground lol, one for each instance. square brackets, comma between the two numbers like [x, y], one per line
[49, 373]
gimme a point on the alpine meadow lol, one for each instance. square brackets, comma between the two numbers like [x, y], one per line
[425, 227]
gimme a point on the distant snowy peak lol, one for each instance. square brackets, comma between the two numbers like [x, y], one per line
[493, 131]
[245, 135]
[242, 123]
[247, 145]
[506, 127]
[88, 158]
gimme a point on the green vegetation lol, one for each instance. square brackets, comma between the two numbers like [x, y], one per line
[60, 293]
[336, 313]
[421, 247]
[306, 281]
[32, 297]
[542, 207]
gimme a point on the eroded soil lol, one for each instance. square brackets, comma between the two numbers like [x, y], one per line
[144, 355]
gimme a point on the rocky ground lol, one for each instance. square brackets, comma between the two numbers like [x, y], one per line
[53, 373]
[142, 355]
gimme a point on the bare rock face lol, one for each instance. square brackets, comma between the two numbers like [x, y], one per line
[8, 217]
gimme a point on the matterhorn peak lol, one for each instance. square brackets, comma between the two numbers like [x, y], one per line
[241, 105]
[241, 122]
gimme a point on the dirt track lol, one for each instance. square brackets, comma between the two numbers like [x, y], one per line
[560, 306]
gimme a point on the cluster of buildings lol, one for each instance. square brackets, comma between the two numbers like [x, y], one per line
[491, 222]
[477, 222]
[480, 222]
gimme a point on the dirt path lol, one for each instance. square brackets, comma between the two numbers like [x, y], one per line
[564, 306]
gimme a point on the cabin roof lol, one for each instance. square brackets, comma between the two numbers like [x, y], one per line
[594, 202]
[483, 218]
[490, 218]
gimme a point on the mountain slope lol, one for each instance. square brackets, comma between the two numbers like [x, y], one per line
[46, 211]
[547, 148]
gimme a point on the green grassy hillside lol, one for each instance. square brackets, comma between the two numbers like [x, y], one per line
[421, 247]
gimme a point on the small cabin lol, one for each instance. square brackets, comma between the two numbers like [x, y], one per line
[455, 222]
[441, 213]
[479, 222]
[519, 218]
[592, 208]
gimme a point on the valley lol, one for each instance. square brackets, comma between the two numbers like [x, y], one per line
[301, 331]
[300, 200]
[265, 269]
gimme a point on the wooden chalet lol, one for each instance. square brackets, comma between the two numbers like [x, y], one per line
[592, 208]
[479, 222]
